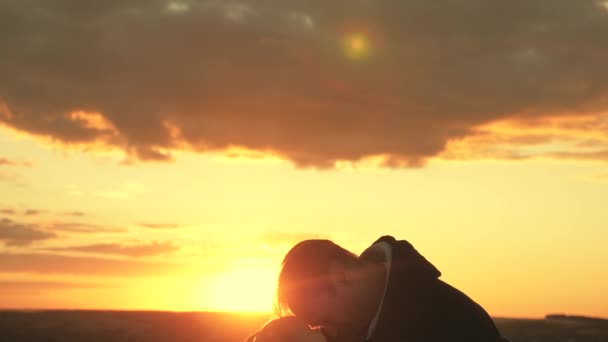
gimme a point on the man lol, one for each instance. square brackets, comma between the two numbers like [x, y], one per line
[390, 293]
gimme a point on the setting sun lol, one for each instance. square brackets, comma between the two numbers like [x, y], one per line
[166, 155]
[246, 290]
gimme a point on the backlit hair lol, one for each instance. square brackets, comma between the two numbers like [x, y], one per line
[306, 267]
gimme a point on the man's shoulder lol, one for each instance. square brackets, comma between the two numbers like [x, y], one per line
[386, 238]
[405, 258]
[394, 243]
[380, 250]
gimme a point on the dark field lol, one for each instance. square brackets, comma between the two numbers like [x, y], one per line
[93, 326]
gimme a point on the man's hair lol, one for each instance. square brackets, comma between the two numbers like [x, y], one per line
[307, 266]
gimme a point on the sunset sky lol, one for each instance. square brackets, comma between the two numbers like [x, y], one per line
[165, 155]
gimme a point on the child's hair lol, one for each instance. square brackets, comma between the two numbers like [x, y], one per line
[283, 329]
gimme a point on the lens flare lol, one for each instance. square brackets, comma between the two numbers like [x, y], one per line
[357, 47]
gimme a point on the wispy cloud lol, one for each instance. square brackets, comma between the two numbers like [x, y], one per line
[160, 225]
[12, 177]
[601, 178]
[24, 233]
[582, 155]
[74, 190]
[18, 286]
[10, 162]
[8, 211]
[16, 234]
[567, 137]
[21, 212]
[124, 191]
[37, 212]
[61, 264]
[4, 161]
[33, 212]
[74, 213]
[136, 250]
[80, 227]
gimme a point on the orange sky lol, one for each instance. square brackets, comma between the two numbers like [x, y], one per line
[175, 152]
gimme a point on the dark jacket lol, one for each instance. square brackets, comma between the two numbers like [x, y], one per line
[419, 307]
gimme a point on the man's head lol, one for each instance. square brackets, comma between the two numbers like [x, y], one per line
[317, 284]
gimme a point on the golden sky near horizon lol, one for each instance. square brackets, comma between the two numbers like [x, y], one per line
[166, 155]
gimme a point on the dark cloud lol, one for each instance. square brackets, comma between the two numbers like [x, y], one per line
[160, 225]
[61, 264]
[274, 76]
[139, 250]
[17, 234]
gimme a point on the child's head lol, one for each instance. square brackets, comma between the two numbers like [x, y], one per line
[287, 329]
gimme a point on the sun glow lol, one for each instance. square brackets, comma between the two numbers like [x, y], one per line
[357, 46]
[247, 290]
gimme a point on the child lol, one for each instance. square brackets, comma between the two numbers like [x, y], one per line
[287, 329]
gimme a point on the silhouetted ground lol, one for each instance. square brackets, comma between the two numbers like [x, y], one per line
[554, 328]
[118, 326]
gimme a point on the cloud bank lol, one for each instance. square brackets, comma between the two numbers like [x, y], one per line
[312, 81]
